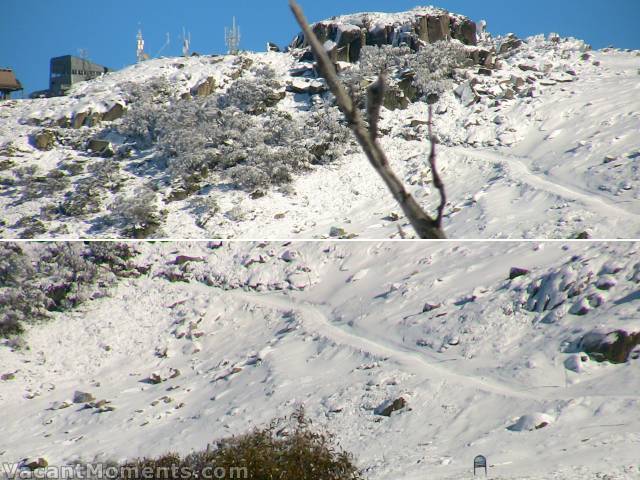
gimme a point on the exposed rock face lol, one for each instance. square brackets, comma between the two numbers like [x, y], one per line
[344, 38]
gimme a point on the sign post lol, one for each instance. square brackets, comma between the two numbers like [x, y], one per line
[480, 462]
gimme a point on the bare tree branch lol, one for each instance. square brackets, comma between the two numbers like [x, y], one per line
[425, 226]
[437, 181]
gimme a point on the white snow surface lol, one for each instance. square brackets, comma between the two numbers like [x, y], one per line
[552, 165]
[260, 328]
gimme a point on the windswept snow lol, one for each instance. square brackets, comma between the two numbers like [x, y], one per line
[253, 329]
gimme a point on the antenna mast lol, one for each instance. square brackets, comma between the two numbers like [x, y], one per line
[166, 44]
[186, 42]
[140, 52]
[232, 38]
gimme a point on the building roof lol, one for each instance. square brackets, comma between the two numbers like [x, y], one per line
[8, 80]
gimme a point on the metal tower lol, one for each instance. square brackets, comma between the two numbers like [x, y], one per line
[140, 52]
[186, 43]
[232, 38]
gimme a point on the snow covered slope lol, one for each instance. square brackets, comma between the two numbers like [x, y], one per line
[247, 331]
[544, 145]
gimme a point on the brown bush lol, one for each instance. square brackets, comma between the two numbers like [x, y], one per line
[294, 452]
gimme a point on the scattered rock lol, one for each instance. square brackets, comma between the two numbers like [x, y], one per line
[60, 405]
[44, 140]
[182, 259]
[336, 232]
[7, 376]
[576, 362]
[82, 397]
[78, 120]
[290, 255]
[516, 272]
[103, 148]
[467, 94]
[35, 463]
[114, 113]
[307, 86]
[428, 307]
[388, 407]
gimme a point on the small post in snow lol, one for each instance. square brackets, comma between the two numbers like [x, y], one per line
[478, 463]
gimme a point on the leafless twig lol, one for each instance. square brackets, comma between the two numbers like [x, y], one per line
[425, 226]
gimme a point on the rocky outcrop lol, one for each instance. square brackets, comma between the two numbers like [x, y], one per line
[615, 347]
[344, 38]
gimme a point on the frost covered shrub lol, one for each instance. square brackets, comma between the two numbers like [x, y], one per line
[20, 299]
[433, 65]
[254, 151]
[147, 104]
[253, 94]
[375, 60]
[138, 215]
[236, 133]
[53, 277]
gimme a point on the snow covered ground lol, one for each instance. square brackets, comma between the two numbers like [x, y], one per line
[559, 161]
[254, 329]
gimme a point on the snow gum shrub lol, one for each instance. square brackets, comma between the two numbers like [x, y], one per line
[137, 215]
[54, 277]
[253, 94]
[433, 65]
[302, 453]
[147, 104]
[253, 151]
[20, 298]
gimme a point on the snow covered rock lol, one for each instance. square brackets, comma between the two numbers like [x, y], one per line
[531, 422]
[614, 347]
[390, 406]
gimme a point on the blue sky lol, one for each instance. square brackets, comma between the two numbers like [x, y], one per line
[33, 31]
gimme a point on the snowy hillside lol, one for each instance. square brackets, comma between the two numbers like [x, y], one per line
[215, 338]
[540, 141]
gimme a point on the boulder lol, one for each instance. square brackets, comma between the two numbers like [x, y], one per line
[182, 259]
[44, 140]
[205, 88]
[307, 86]
[467, 94]
[517, 272]
[528, 423]
[104, 148]
[79, 119]
[82, 397]
[114, 113]
[35, 463]
[388, 407]
[272, 47]
[511, 43]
